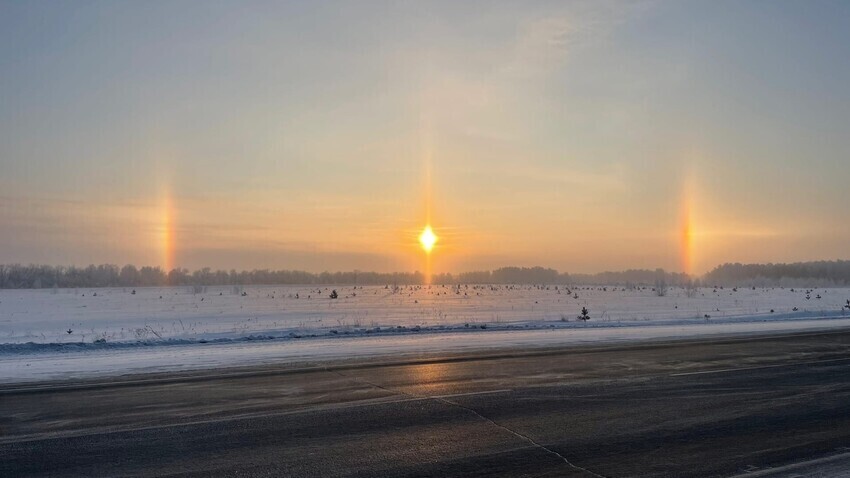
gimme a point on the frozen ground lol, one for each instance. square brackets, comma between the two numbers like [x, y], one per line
[49, 334]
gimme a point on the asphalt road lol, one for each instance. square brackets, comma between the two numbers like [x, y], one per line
[771, 406]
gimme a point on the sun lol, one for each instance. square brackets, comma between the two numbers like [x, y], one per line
[427, 239]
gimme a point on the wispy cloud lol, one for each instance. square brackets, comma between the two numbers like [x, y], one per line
[545, 41]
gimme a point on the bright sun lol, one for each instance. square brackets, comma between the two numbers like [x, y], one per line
[427, 239]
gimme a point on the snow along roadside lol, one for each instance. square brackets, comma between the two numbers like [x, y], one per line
[29, 367]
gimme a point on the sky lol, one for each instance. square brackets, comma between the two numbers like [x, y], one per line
[583, 136]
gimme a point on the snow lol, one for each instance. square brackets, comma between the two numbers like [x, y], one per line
[114, 331]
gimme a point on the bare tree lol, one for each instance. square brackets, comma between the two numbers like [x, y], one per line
[691, 288]
[660, 287]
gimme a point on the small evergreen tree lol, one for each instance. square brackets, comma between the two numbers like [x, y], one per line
[585, 314]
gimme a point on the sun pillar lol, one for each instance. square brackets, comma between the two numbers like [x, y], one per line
[686, 239]
[166, 230]
[427, 238]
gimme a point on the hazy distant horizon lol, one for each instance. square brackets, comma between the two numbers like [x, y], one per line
[816, 267]
[324, 262]
[334, 270]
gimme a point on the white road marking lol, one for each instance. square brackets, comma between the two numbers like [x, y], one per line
[787, 470]
[704, 372]
[471, 393]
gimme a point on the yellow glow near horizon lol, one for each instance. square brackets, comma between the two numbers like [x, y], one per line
[687, 244]
[686, 240]
[167, 242]
[427, 239]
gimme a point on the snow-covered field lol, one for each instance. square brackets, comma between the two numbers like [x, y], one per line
[73, 333]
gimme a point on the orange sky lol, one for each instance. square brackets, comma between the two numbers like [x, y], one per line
[581, 136]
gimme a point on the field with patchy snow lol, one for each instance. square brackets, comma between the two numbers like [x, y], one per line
[63, 333]
[114, 316]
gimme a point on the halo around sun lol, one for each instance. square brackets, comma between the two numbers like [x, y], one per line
[427, 239]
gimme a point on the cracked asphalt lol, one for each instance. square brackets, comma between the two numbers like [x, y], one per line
[719, 407]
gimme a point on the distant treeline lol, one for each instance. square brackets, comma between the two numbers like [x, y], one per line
[16, 276]
[803, 274]
[540, 275]
[632, 277]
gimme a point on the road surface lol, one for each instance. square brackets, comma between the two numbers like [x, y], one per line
[768, 406]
